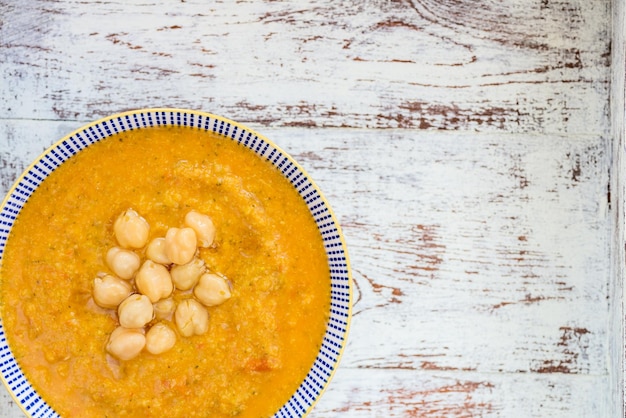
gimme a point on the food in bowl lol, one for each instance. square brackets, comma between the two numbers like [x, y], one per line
[244, 336]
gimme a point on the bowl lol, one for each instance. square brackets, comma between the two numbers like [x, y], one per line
[326, 362]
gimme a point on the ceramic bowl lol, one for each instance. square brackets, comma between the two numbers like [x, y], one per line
[334, 341]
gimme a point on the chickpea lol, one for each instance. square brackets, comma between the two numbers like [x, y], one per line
[212, 289]
[109, 291]
[124, 263]
[186, 276]
[164, 308]
[203, 227]
[156, 251]
[180, 245]
[125, 344]
[131, 230]
[191, 318]
[154, 281]
[160, 338]
[135, 311]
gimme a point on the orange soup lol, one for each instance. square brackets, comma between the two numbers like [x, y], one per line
[260, 342]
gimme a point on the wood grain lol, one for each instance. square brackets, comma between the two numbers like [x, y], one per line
[516, 66]
[406, 393]
[617, 341]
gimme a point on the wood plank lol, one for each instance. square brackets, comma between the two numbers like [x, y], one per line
[618, 183]
[407, 393]
[515, 66]
[481, 263]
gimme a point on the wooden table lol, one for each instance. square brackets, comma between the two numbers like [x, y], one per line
[472, 151]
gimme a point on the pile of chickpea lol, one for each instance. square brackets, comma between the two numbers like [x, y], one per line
[140, 291]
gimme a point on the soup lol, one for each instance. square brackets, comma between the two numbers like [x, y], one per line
[260, 343]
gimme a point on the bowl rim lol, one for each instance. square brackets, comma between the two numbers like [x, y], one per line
[176, 110]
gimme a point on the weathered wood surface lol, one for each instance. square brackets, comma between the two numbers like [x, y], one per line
[538, 66]
[480, 221]
[617, 341]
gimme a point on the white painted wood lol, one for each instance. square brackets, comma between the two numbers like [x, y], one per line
[618, 181]
[409, 393]
[524, 66]
[472, 152]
